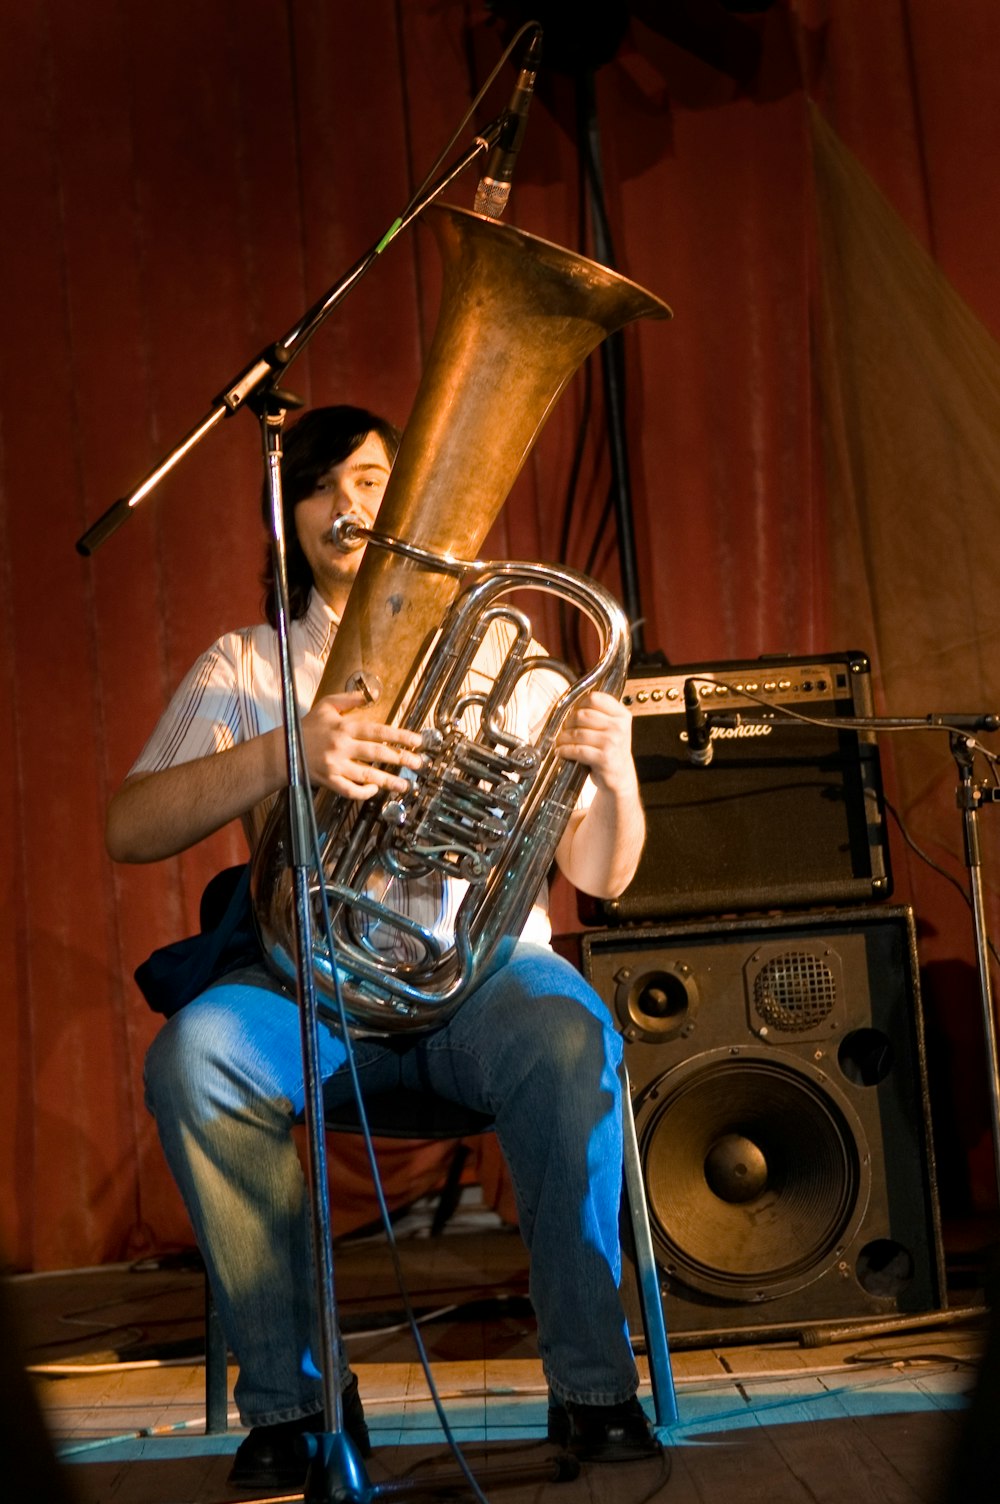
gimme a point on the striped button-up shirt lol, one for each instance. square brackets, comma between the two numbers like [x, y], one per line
[233, 693]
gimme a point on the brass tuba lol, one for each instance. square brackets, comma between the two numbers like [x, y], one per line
[518, 317]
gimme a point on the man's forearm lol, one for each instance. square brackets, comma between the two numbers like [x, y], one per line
[156, 815]
[600, 850]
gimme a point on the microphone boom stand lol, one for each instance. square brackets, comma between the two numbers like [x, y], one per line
[969, 797]
[336, 1474]
[336, 1471]
[275, 358]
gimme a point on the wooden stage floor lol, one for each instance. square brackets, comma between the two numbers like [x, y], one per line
[114, 1359]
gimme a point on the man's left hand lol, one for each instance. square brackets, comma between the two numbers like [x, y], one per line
[598, 734]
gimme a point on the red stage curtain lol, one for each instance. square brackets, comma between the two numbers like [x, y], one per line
[182, 180]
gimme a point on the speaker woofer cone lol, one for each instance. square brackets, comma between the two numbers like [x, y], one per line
[756, 1172]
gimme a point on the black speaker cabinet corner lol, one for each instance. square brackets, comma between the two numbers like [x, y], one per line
[787, 814]
[779, 1088]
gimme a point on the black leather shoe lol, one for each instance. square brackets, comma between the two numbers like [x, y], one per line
[603, 1433]
[271, 1457]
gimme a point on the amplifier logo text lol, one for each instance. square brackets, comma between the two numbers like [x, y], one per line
[731, 733]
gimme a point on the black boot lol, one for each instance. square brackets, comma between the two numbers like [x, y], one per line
[603, 1433]
[271, 1457]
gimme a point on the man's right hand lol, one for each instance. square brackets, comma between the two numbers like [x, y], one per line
[352, 754]
[155, 815]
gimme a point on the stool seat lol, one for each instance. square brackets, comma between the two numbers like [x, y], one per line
[409, 1114]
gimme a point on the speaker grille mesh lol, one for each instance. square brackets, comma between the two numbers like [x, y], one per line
[795, 992]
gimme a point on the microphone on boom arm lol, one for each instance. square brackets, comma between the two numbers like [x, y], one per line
[494, 185]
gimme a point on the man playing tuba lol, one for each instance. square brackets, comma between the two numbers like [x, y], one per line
[533, 1045]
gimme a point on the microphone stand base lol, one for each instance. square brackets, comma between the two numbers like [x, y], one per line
[336, 1474]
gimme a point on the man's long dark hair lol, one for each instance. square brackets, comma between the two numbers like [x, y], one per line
[321, 438]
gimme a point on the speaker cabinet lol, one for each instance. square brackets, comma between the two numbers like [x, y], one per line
[787, 814]
[779, 1089]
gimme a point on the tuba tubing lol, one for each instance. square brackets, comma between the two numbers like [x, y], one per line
[518, 316]
[388, 997]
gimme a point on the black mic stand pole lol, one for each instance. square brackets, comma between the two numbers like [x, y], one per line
[970, 796]
[336, 1472]
[612, 369]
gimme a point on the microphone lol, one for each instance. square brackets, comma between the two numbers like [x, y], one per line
[699, 737]
[494, 185]
[984, 722]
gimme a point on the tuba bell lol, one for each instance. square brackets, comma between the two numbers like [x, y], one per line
[518, 317]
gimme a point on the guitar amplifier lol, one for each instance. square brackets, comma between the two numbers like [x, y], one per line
[786, 814]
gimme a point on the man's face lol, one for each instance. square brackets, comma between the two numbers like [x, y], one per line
[355, 486]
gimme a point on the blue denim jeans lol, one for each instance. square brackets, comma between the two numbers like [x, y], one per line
[533, 1046]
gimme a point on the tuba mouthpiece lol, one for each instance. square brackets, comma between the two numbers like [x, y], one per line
[348, 533]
